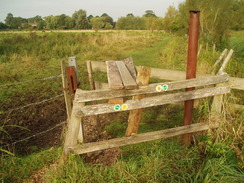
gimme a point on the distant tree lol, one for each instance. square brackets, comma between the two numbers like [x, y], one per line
[9, 19]
[216, 19]
[149, 13]
[107, 19]
[130, 15]
[80, 19]
[97, 23]
[131, 23]
[172, 20]
[3, 26]
[154, 23]
[90, 17]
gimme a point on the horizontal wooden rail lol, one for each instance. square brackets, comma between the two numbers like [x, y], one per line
[151, 101]
[145, 137]
[86, 96]
[172, 75]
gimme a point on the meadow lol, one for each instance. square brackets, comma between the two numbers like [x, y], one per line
[215, 156]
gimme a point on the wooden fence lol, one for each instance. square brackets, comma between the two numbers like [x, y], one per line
[84, 105]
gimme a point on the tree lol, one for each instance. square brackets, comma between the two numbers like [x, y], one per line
[172, 19]
[3, 26]
[80, 19]
[131, 23]
[108, 19]
[97, 23]
[149, 13]
[216, 19]
[9, 19]
[130, 15]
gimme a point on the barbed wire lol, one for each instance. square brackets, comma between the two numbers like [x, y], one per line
[37, 134]
[23, 82]
[32, 104]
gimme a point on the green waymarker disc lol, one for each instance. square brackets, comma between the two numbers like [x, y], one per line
[117, 107]
[165, 87]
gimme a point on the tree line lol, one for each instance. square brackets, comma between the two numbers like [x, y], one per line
[217, 17]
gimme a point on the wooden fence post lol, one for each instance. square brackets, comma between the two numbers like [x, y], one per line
[67, 96]
[75, 131]
[218, 99]
[142, 79]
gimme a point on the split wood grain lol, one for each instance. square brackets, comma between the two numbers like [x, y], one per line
[125, 75]
[114, 79]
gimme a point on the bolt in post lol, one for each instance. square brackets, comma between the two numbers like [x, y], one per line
[191, 69]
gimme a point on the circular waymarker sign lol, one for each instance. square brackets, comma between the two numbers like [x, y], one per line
[159, 88]
[165, 87]
[117, 107]
[124, 107]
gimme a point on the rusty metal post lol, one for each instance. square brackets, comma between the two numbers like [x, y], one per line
[71, 74]
[191, 69]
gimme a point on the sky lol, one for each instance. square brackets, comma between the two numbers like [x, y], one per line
[114, 8]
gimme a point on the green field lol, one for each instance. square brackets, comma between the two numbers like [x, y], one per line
[216, 156]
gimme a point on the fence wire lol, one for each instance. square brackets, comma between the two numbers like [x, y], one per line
[32, 104]
[23, 82]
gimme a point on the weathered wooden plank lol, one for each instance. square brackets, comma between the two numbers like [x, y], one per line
[153, 101]
[130, 65]
[99, 66]
[67, 96]
[89, 70]
[237, 83]
[146, 137]
[128, 81]
[74, 129]
[86, 96]
[220, 58]
[135, 115]
[223, 66]
[101, 85]
[114, 79]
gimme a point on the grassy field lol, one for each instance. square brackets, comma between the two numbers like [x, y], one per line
[216, 156]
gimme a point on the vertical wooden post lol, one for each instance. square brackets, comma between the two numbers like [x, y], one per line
[93, 120]
[67, 96]
[218, 99]
[89, 70]
[142, 79]
[74, 128]
[191, 69]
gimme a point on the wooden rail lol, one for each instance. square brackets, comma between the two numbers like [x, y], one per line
[145, 137]
[171, 75]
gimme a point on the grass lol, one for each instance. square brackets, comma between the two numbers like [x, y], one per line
[216, 157]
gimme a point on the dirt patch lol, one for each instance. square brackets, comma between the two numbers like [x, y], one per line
[37, 128]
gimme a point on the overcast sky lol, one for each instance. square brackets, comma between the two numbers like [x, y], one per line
[114, 8]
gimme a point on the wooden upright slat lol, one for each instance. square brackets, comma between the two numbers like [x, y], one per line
[86, 96]
[114, 79]
[128, 81]
[135, 115]
[145, 137]
[130, 65]
[154, 101]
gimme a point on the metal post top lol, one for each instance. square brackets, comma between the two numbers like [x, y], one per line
[72, 58]
[194, 11]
